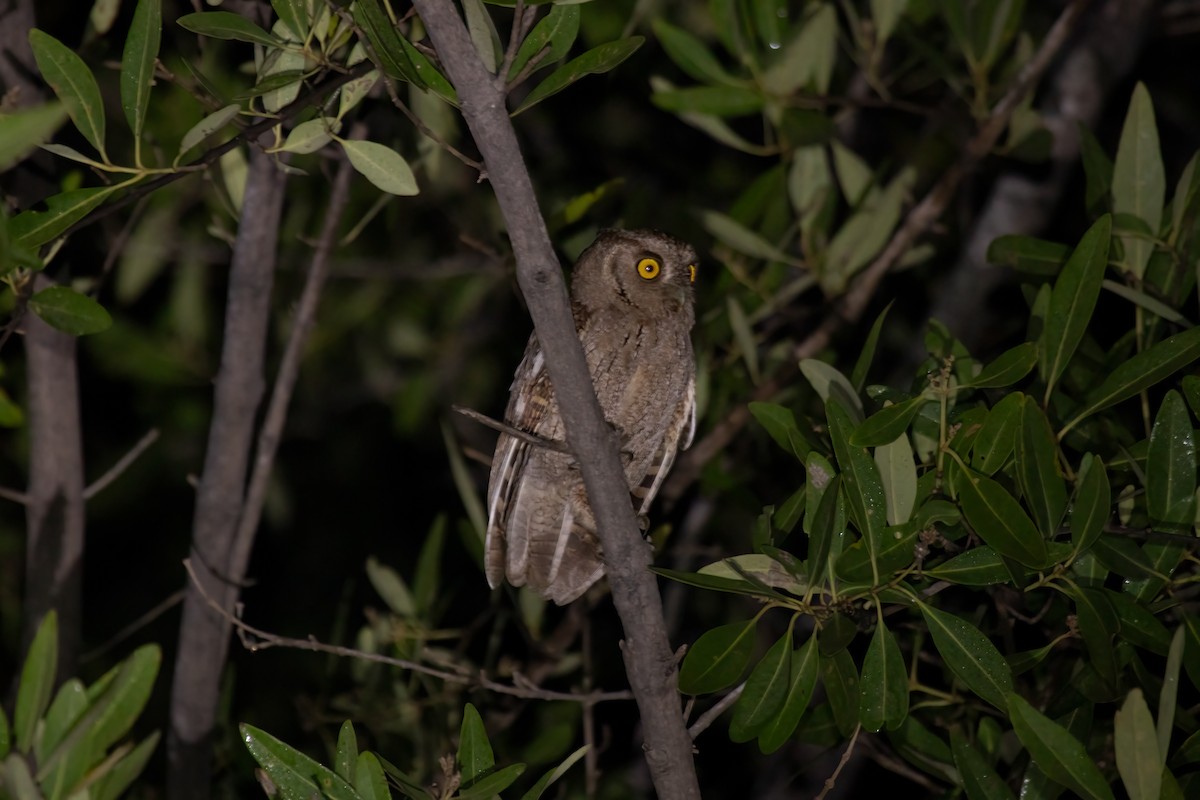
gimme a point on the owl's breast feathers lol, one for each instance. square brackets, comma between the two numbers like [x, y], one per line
[541, 531]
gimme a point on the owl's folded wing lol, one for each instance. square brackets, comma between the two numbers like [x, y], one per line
[678, 437]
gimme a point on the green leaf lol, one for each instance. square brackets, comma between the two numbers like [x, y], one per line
[970, 655]
[73, 83]
[860, 482]
[886, 424]
[394, 58]
[1037, 470]
[886, 14]
[979, 779]
[596, 61]
[1058, 753]
[65, 709]
[1097, 624]
[1139, 372]
[1137, 624]
[1072, 302]
[1135, 744]
[805, 666]
[1139, 182]
[407, 785]
[228, 26]
[557, 30]
[1151, 304]
[823, 530]
[295, 775]
[1170, 693]
[717, 101]
[474, 750]
[1027, 254]
[979, 566]
[33, 228]
[37, 681]
[310, 136]
[18, 783]
[737, 236]
[743, 337]
[382, 166]
[864, 235]
[1092, 506]
[688, 53]
[858, 376]
[1000, 521]
[718, 658]
[1122, 556]
[345, 759]
[22, 131]
[425, 583]
[841, 682]
[124, 772]
[538, 789]
[883, 689]
[125, 698]
[369, 780]
[765, 691]
[857, 565]
[208, 126]
[741, 586]
[997, 437]
[295, 16]
[898, 473]
[780, 423]
[808, 59]
[5, 734]
[483, 34]
[69, 311]
[487, 786]
[1171, 467]
[1008, 368]
[137, 63]
[391, 587]
[828, 382]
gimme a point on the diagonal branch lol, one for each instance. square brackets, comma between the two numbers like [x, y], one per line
[917, 223]
[648, 658]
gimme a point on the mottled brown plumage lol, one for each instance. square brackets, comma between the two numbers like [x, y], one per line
[631, 293]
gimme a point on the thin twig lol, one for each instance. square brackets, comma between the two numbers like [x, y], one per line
[289, 367]
[115, 471]
[530, 67]
[919, 220]
[516, 35]
[264, 640]
[13, 495]
[529, 438]
[710, 716]
[831, 781]
[172, 600]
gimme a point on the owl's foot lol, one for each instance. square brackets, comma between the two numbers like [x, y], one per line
[643, 522]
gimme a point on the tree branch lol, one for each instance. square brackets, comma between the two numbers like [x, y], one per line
[204, 635]
[649, 661]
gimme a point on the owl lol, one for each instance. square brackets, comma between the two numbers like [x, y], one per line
[631, 295]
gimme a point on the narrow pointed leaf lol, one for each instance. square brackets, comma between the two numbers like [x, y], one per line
[474, 750]
[1008, 368]
[69, 311]
[1000, 521]
[369, 780]
[1135, 743]
[780, 423]
[883, 688]
[33, 228]
[827, 381]
[208, 126]
[997, 437]
[840, 679]
[73, 83]
[860, 480]
[979, 566]
[805, 667]
[718, 658]
[137, 62]
[898, 472]
[556, 31]
[765, 691]
[1027, 254]
[970, 655]
[1037, 470]
[538, 789]
[887, 423]
[124, 772]
[1171, 467]
[37, 681]
[1092, 506]
[1056, 751]
[1170, 692]
[979, 779]
[1073, 300]
[489, 785]
[229, 26]
[345, 759]
[1139, 181]
[294, 774]
[858, 376]
[1097, 624]
[823, 531]
[594, 62]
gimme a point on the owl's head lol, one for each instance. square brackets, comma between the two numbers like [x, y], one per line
[646, 273]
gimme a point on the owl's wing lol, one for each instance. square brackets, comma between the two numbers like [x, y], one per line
[679, 436]
[530, 399]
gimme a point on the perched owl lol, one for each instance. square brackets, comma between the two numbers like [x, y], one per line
[631, 294]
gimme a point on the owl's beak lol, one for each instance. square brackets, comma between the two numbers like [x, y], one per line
[677, 298]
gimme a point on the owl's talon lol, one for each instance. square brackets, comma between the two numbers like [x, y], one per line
[643, 522]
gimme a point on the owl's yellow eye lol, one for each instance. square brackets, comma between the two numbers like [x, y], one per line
[692, 272]
[649, 268]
